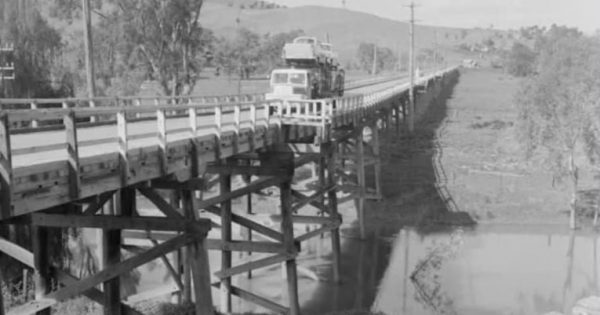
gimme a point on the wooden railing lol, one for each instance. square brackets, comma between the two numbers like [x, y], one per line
[87, 160]
[347, 109]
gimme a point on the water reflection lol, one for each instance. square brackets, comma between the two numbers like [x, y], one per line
[496, 271]
[489, 270]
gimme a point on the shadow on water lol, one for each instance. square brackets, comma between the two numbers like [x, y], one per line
[413, 197]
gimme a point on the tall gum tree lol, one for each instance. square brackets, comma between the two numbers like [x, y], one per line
[558, 106]
[163, 39]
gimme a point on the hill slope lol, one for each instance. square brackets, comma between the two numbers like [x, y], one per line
[346, 29]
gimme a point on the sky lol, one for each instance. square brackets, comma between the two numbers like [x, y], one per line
[501, 14]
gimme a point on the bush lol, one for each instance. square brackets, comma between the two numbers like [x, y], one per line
[520, 61]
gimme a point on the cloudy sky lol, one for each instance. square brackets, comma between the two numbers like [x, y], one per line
[503, 14]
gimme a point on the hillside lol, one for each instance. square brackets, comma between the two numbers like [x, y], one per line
[346, 29]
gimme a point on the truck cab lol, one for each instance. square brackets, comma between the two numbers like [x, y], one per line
[302, 84]
[290, 84]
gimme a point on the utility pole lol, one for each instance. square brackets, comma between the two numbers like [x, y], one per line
[411, 69]
[89, 49]
[240, 66]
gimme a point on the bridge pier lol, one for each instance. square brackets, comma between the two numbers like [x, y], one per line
[359, 151]
[275, 167]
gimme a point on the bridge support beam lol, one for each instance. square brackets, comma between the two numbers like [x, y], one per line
[359, 153]
[191, 232]
[224, 189]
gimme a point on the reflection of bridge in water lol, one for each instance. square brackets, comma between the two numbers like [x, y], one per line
[90, 170]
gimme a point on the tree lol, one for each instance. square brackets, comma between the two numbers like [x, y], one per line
[158, 40]
[167, 39]
[240, 54]
[37, 49]
[386, 58]
[364, 55]
[520, 61]
[558, 107]
[272, 47]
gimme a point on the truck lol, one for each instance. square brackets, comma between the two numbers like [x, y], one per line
[311, 72]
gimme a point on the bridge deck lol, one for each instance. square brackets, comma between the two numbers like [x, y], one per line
[128, 145]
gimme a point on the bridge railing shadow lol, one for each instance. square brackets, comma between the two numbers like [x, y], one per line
[414, 196]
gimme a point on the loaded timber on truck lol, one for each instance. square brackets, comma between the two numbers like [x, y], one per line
[312, 72]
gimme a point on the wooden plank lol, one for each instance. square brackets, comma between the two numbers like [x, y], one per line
[201, 275]
[252, 127]
[332, 203]
[161, 123]
[17, 252]
[256, 264]
[120, 268]
[360, 170]
[258, 300]
[226, 216]
[42, 280]
[253, 246]
[120, 222]
[97, 204]
[156, 235]
[250, 224]
[193, 152]
[376, 158]
[316, 196]
[316, 232]
[187, 253]
[124, 206]
[232, 169]
[190, 184]
[123, 147]
[254, 186]
[236, 127]
[70, 121]
[287, 228]
[218, 130]
[6, 172]
[307, 219]
[159, 202]
[248, 231]
[313, 203]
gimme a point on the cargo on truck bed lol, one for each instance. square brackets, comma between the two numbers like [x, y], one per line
[306, 49]
[312, 72]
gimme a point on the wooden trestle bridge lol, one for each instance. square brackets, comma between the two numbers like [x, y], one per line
[85, 165]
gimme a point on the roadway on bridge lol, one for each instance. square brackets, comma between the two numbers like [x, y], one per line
[49, 146]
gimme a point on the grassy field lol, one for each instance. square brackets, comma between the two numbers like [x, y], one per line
[488, 175]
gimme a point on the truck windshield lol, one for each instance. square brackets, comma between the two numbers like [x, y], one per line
[297, 78]
[289, 78]
[280, 78]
